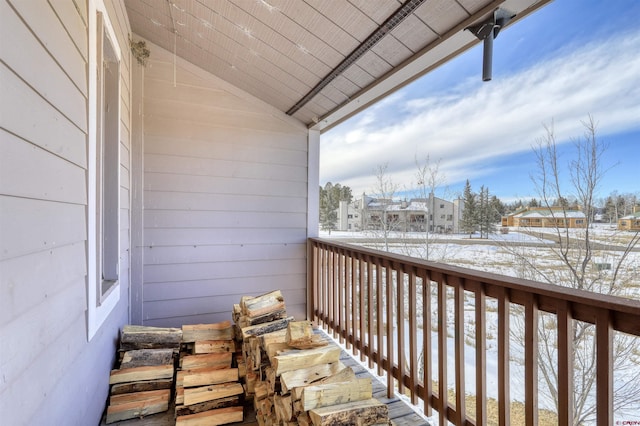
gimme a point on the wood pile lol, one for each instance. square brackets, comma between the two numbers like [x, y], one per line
[208, 391]
[142, 383]
[294, 376]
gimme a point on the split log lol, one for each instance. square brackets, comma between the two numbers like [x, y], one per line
[236, 312]
[213, 346]
[274, 349]
[219, 416]
[304, 419]
[141, 337]
[179, 399]
[140, 374]
[141, 386]
[361, 413]
[261, 391]
[242, 367]
[183, 410]
[146, 357]
[214, 360]
[251, 380]
[309, 375]
[262, 305]
[128, 406]
[208, 393]
[279, 336]
[273, 382]
[315, 341]
[260, 329]
[244, 320]
[209, 376]
[297, 359]
[298, 330]
[218, 331]
[283, 407]
[324, 395]
[300, 336]
[345, 375]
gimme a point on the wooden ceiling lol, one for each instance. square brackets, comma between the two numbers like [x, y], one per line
[352, 52]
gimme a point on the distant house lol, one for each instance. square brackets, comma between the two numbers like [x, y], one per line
[348, 216]
[545, 217]
[630, 222]
[431, 214]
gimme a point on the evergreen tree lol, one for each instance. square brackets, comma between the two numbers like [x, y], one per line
[498, 209]
[330, 197]
[469, 221]
[486, 213]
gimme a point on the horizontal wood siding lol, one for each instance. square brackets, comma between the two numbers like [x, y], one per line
[225, 196]
[50, 373]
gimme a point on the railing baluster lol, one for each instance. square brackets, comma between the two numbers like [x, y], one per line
[354, 273]
[400, 327]
[347, 300]
[322, 288]
[332, 302]
[459, 349]
[370, 311]
[426, 342]
[504, 399]
[565, 364]
[361, 317]
[413, 332]
[442, 349]
[531, 360]
[604, 373]
[334, 293]
[481, 356]
[389, 306]
[341, 278]
[379, 323]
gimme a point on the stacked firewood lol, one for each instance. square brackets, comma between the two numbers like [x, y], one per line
[208, 390]
[142, 383]
[294, 376]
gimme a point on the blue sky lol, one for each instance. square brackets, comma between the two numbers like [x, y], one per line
[569, 60]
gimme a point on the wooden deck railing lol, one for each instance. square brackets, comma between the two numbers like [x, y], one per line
[364, 296]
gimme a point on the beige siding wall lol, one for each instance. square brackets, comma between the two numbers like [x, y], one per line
[225, 197]
[49, 372]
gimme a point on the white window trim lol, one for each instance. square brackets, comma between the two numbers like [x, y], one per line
[97, 310]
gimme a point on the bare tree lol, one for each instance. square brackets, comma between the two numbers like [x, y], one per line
[429, 179]
[583, 260]
[382, 221]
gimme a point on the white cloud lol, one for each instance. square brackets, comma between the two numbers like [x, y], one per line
[475, 123]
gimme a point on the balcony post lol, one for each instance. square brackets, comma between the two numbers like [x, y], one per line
[604, 373]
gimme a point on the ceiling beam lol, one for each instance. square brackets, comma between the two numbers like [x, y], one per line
[393, 21]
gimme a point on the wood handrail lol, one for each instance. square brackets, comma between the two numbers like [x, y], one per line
[354, 287]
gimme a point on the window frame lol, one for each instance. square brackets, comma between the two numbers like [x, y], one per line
[103, 168]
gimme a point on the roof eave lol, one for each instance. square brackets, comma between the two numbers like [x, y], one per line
[451, 44]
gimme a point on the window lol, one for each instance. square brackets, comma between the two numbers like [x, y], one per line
[108, 162]
[103, 212]
[442, 206]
